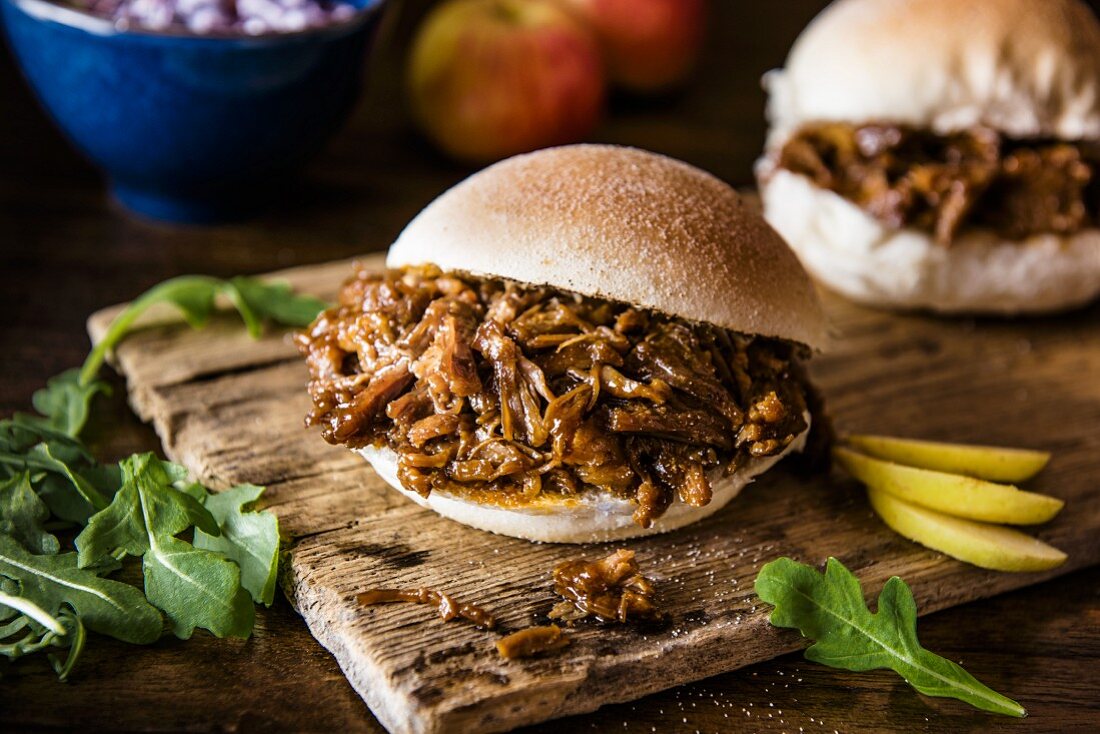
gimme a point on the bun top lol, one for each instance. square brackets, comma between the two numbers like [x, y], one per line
[626, 225]
[1027, 68]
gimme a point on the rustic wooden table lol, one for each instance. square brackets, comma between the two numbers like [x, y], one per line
[66, 251]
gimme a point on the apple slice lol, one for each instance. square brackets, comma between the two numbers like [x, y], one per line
[985, 462]
[951, 493]
[981, 544]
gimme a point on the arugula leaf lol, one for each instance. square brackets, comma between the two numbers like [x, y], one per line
[30, 610]
[249, 538]
[63, 473]
[21, 432]
[40, 630]
[65, 401]
[180, 479]
[64, 502]
[147, 505]
[195, 296]
[22, 513]
[276, 301]
[66, 490]
[197, 588]
[829, 609]
[75, 637]
[110, 607]
[30, 636]
[193, 586]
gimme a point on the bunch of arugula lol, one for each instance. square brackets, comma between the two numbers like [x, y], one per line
[51, 485]
[829, 608]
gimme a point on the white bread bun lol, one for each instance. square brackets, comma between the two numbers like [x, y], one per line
[626, 225]
[585, 519]
[858, 256]
[1029, 68]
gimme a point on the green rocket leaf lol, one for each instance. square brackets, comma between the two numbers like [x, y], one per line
[22, 513]
[249, 538]
[195, 296]
[197, 588]
[193, 586]
[829, 609]
[147, 505]
[275, 302]
[109, 607]
[65, 401]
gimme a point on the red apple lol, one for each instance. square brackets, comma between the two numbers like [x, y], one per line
[491, 78]
[649, 45]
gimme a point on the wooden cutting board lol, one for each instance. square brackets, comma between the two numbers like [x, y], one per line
[231, 410]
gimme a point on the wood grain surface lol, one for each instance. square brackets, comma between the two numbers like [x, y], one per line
[67, 250]
[231, 409]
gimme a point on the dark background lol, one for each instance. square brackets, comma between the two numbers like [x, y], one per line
[66, 251]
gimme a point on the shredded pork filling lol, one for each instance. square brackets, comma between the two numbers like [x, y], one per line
[500, 392]
[907, 177]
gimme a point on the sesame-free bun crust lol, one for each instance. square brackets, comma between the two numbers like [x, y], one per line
[592, 518]
[626, 225]
[1029, 68]
[853, 253]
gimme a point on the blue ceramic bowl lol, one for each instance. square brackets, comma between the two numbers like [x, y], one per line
[190, 128]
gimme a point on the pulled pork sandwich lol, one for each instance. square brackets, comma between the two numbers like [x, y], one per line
[941, 154]
[583, 343]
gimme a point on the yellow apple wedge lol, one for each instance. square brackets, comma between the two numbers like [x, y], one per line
[953, 494]
[980, 544]
[985, 462]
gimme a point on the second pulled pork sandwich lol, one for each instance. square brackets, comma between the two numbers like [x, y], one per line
[942, 154]
[582, 343]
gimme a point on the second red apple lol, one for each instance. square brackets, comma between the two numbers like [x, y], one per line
[649, 45]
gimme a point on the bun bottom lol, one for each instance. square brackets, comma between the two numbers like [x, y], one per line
[853, 253]
[584, 519]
